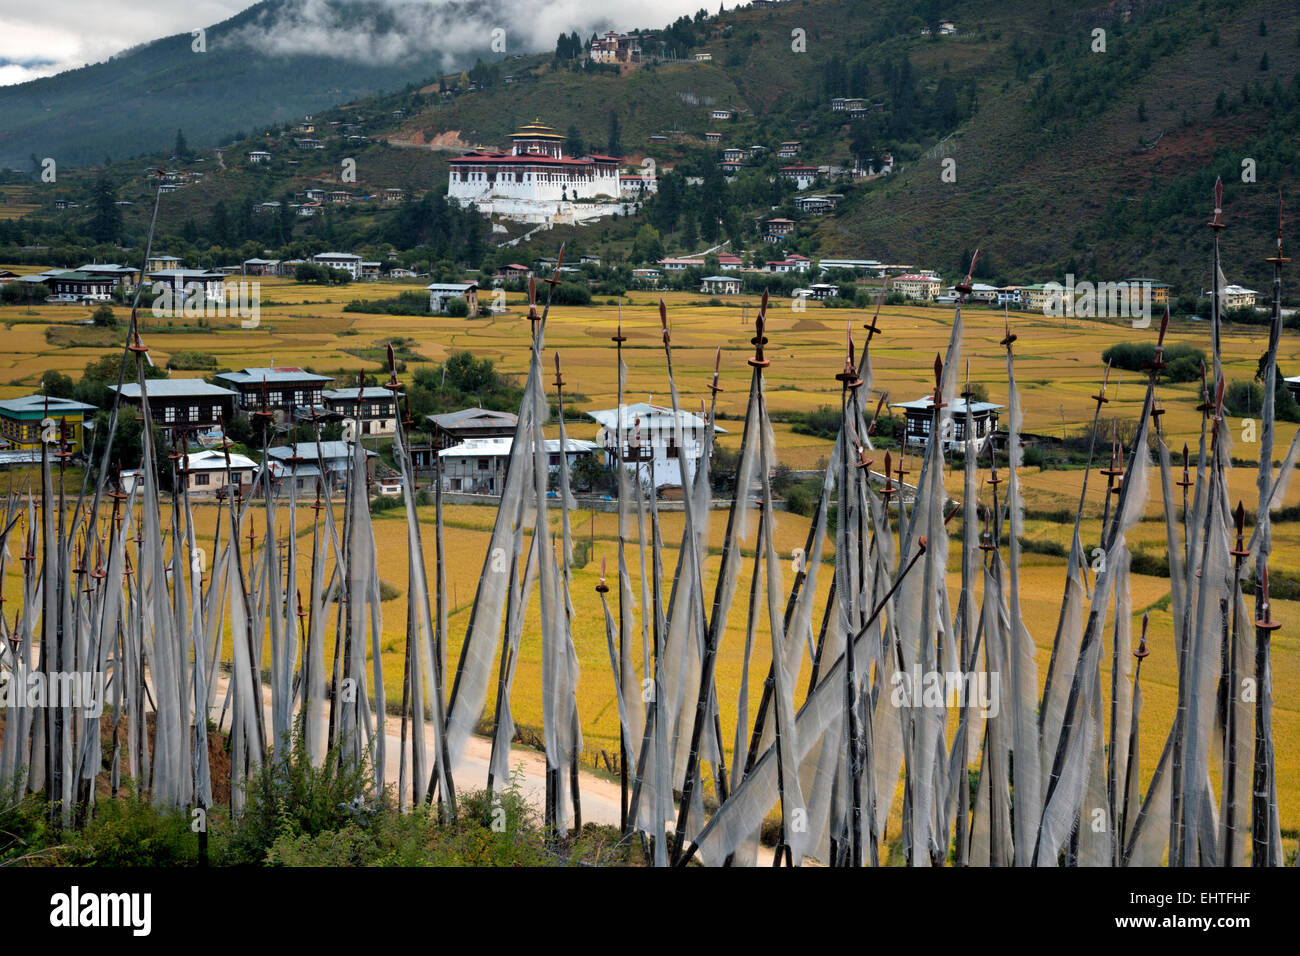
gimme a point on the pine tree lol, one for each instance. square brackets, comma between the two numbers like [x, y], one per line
[106, 224]
[615, 145]
[182, 148]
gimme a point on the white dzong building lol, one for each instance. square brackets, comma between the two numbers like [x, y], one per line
[535, 181]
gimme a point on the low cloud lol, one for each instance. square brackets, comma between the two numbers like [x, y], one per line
[393, 31]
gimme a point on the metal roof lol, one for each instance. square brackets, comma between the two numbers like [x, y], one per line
[272, 376]
[173, 388]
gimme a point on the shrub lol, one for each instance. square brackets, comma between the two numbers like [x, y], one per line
[570, 293]
[104, 317]
[458, 308]
[288, 798]
[191, 360]
[1183, 362]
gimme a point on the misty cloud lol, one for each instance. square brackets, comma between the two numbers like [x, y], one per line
[392, 31]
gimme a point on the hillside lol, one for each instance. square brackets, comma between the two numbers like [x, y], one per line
[251, 73]
[1066, 159]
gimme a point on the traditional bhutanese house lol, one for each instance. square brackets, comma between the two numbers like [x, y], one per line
[733, 154]
[647, 438]
[7, 276]
[340, 196]
[282, 388]
[1159, 290]
[800, 174]
[774, 230]
[370, 271]
[1039, 297]
[816, 205]
[1009, 295]
[791, 263]
[393, 194]
[20, 419]
[915, 285]
[76, 286]
[478, 465]
[441, 294]
[730, 169]
[258, 156]
[261, 267]
[181, 402]
[920, 413]
[788, 150]
[339, 260]
[818, 290]
[727, 261]
[702, 57]
[713, 139]
[208, 472]
[1293, 384]
[452, 428]
[721, 114]
[680, 265]
[190, 284]
[161, 263]
[515, 271]
[720, 285]
[124, 277]
[373, 408]
[1236, 297]
[981, 292]
[614, 47]
[326, 463]
[650, 276]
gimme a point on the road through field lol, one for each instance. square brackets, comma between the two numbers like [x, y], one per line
[600, 798]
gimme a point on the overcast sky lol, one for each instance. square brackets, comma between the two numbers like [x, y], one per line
[48, 36]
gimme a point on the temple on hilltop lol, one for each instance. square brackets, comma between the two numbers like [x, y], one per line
[535, 181]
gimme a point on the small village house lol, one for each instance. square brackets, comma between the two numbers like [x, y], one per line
[208, 473]
[373, 408]
[79, 286]
[20, 420]
[645, 435]
[915, 285]
[280, 388]
[720, 285]
[441, 294]
[800, 174]
[181, 402]
[920, 421]
[452, 428]
[775, 230]
[345, 261]
[326, 463]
